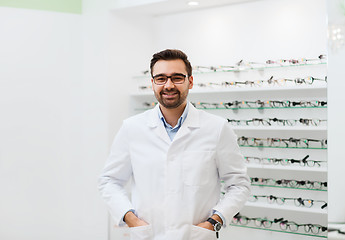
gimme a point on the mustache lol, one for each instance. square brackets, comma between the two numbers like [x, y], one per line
[167, 92]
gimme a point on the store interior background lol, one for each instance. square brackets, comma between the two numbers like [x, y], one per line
[65, 84]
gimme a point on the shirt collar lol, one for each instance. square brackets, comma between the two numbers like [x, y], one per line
[180, 120]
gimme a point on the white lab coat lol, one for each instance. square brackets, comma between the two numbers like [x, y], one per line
[175, 184]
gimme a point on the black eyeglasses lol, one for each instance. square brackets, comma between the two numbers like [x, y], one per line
[299, 202]
[259, 104]
[301, 61]
[279, 122]
[205, 105]
[284, 225]
[314, 103]
[161, 79]
[260, 222]
[289, 183]
[284, 161]
[246, 65]
[292, 226]
[269, 82]
[274, 104]
[282, 143]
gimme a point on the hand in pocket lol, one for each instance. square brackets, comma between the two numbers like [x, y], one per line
[133, 221]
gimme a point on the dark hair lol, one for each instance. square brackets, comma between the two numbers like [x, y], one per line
[171, 54]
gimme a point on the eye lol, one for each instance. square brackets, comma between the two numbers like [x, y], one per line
[160, 79]
[177, 78]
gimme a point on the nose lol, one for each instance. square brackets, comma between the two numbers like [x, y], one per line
[169, 84]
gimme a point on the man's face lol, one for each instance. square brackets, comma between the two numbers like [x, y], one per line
[171, 95]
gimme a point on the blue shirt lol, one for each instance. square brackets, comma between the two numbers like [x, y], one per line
[173, 130]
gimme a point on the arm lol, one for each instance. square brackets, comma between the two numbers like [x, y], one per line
[208, 225]
[233, 172]
[115, 175]
[132, 220]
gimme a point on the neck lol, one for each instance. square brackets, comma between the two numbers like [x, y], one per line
[172, 115]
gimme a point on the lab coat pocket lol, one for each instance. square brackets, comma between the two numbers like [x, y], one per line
[198, 167]
[141, 233]
[199, 233]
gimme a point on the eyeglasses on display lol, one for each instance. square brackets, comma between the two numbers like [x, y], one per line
[284, 161]
[289, 183]
[308, 228]
[299, 202]
[276, 121]
[259, 222]
[284, 225]
[248, 65]
[299, 61]
[314, 103]
[261, 83]
[281, 142]
[259, 104]
[236, 105]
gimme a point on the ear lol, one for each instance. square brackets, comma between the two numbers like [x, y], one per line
[190, 79]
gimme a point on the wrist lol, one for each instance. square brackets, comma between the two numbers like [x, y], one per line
[130, 218]
[209, 225]
[217, 218]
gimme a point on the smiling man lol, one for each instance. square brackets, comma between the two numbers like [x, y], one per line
[176, 157]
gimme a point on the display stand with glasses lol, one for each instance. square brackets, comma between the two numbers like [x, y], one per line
[278, 109]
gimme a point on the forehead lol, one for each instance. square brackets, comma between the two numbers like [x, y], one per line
[169, 66]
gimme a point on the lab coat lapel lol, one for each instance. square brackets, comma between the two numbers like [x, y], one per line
[157, 125]
[191, 121]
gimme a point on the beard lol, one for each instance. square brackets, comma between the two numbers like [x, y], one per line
[171, 102]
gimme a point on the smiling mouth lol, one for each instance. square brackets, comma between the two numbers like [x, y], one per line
[169, 94]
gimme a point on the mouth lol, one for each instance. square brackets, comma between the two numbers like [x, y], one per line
[169, 94]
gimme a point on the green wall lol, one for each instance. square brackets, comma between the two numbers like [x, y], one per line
[67, 6]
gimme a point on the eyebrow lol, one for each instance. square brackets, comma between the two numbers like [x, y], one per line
[162, 74]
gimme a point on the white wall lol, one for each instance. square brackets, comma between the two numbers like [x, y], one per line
[130, 51]
[255, 31]
[336, 116]
[53, 128]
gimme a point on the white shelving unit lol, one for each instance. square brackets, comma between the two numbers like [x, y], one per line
[224, 34]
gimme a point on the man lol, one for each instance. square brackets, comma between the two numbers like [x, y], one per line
[177, 157]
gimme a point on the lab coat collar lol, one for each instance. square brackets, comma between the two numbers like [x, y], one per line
[191, 121]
